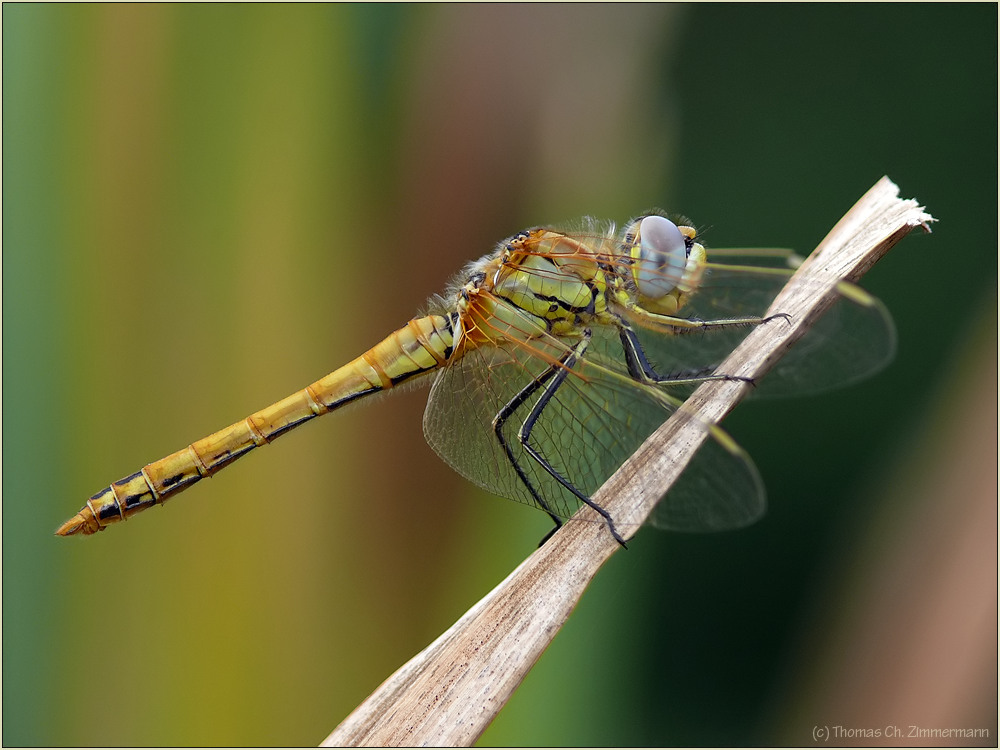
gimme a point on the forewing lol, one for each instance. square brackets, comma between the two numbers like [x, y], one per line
[854, 339]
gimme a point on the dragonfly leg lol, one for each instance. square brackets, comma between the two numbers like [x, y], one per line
[551, 379]
[693, 325]
[498, 422]
[680, 326]
[641, 370]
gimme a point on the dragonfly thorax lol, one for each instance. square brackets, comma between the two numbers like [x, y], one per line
[538, 282]
[551, 278]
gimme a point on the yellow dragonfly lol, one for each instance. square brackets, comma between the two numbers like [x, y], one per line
[551, 359]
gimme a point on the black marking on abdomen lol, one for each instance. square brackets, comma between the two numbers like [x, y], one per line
[220, 460]
[406, 376]
[346, 400]
[178, 482]
[111, 510]
[282, 430]
[135, 503]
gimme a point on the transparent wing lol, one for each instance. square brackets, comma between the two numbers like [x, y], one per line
[594, 420]
[853, 340]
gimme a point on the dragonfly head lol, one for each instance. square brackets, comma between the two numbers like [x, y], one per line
[667, 263]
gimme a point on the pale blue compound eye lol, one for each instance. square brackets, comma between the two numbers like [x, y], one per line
[662, 257]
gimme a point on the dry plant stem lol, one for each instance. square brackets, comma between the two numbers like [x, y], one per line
[450, 692]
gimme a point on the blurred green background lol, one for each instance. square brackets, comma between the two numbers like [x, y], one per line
[206, 207]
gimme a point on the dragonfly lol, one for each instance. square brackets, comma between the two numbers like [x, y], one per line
[551, 359]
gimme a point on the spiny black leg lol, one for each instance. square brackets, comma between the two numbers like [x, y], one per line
[786, 316]
[524, 433]
[640, 368]
[498, 422]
